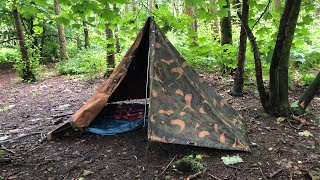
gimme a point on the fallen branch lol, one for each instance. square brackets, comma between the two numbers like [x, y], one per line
[297, 128]
[241, 169]
[262, 174]
[6, 149]
[19, 137]
[214, 177]
[275, 173]
[61, 115]
[193, 176]
[168, 165]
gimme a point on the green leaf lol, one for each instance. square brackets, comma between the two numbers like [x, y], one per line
[305, 133]
[40, 2]
[37, 29]
[280, 120]
[2, 152]
[227, 160]
[295, 104]
[76, 26]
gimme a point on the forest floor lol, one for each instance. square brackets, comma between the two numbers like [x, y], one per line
[278, 151]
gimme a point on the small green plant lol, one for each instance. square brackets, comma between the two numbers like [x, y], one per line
[189, 163]
[90, 63]
[2, 152]
[9, 55]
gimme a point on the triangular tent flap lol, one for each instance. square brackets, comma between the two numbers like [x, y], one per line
[183, 109]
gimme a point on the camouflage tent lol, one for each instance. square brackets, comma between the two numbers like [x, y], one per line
[183, 109]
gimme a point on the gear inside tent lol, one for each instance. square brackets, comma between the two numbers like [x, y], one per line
[176, 105]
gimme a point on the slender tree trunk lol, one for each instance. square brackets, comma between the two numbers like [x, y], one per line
[110, 48]
[285, 109]
[126, 8]
[275, 61]
[277, 3]
[133, 7]
[62, 36]
[308, 95]
[150, 7]
[226, 28]
[26, 71]
[174, 8]
[86, 34]
[264, 98]
[226, 35]
[239, 75]
[277, 104]
[110, 51]
[192, 12]
[43, 39]
[118, 47]
[215, 24]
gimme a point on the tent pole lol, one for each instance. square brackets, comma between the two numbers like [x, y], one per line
[147, 85]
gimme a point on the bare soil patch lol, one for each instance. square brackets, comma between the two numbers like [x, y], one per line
[278, 151]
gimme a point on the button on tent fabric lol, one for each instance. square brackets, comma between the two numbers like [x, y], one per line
[183, 109]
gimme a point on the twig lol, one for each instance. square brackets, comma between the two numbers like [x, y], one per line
[193, 176]
[214, 177]
[297, 128]
[275, 173]
[168, 165]
[6, 149]
[265, 10]
[31, 134]
[240, 169]
[262, 174]
[61, 114]
[233, 167]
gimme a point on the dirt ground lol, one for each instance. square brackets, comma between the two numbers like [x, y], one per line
[278, 151]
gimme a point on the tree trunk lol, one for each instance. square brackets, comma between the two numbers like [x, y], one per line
[275, 61]
[43, 39]
[133, 6]
[277, 103]
[277, 3]
[27, 73]
[226, 35]
[62, 36]
[285, 109]
[308, 95]
[118, 47]
[226, 28]
[110, 51]
[238, 78]
[150, 7]
[86, 34]
[215, 24]
[192, 12]
[258, 68]
[174, 8]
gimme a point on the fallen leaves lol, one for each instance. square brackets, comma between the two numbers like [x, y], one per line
[228, 160]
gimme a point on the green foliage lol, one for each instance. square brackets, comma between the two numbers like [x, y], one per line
[189, 163]
[88, 62]
[9, 55]
[34, 58]
[2, 152]
[203, 52]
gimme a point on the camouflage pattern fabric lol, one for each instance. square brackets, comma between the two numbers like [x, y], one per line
[183, 109]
